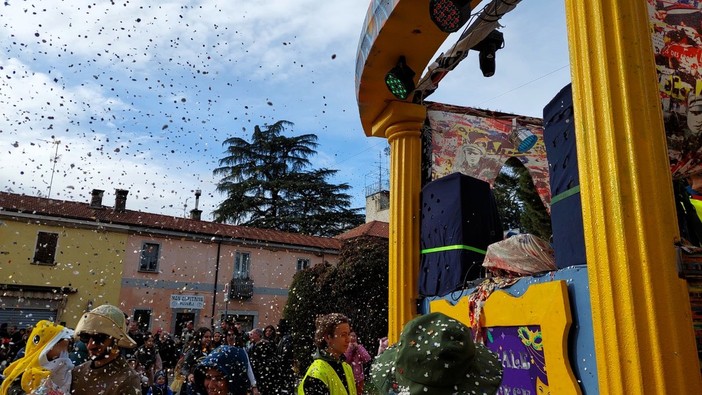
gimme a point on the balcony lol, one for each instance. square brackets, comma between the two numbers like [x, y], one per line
[241, 288]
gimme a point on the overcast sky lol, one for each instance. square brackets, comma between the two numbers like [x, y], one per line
[141, 94]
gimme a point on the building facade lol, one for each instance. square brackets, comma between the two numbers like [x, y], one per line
[59, 259]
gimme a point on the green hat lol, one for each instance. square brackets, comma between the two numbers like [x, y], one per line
[436, 355]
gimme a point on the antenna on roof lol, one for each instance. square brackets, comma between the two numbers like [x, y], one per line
[54, 159]
[382, 183]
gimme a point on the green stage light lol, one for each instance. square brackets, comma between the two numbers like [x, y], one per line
[449, 15]
[400, 79]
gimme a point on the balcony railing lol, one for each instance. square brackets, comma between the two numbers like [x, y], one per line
[241, 288]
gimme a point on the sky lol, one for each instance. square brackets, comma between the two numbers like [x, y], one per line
[140, 95]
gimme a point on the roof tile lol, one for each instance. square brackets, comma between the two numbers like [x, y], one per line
[83, 211]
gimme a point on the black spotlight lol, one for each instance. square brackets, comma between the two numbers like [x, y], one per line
[487, 48]
[449, 15]
[400, 79]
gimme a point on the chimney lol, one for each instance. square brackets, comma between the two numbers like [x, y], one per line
[195, 213]
[121, 200]
[96, 198]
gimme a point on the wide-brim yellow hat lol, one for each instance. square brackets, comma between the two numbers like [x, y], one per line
[108, 320]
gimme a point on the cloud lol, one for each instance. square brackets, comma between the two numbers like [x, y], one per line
[141, 94]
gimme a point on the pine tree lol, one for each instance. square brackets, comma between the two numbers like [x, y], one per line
[518, 201]
[505, 191]
[268, 185]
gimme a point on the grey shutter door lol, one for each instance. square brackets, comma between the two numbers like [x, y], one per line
[25, 317]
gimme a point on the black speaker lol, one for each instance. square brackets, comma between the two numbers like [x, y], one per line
[459, 219]
[566, 208]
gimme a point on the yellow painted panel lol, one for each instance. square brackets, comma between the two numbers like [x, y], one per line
[545, 305]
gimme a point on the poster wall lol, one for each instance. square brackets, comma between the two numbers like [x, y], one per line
[477, 143]
[676, 30]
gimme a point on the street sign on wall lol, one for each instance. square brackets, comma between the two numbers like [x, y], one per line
[187, 301]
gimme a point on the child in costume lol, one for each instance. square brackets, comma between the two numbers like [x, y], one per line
[45, 367]
[160, 385]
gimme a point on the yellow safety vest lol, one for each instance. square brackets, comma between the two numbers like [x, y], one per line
[322, 370]
[697, 204]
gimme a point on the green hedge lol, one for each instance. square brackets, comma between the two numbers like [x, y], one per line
[356, 287]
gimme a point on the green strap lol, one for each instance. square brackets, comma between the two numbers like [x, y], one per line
[453, 247]
[572, 191]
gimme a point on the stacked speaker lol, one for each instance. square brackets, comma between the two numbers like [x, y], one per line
[459, 220]
[566, 208]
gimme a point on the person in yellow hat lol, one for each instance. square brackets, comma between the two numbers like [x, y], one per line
[107, 372]
[45, 362]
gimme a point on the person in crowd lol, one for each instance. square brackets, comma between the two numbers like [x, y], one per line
[135, 334]
[231, 342]
[12, 343]
[285, 354]
[149, 357]
[79, 352]
[436, 355]
[329, 374]
[241, 337]
[226, 371]
[23, 335]
[45, 363]
[200, 346]
[230, 337]
[187, 334]
[160, 385]
[188, 388]
[269, 334]
[224, 325]
[382, 345]
[357, 356]
[217, 339]
[265, 362]
[134, 364]
[104, 332]
[168, 351]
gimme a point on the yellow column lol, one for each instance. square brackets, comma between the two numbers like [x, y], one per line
[643, 335]
[401, 122]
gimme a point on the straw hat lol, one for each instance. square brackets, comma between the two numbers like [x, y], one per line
[108, 320]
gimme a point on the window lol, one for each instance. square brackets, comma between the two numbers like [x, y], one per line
[242, 263]
[302, 264]
[45, 250]
[143, 319]
[149, 257]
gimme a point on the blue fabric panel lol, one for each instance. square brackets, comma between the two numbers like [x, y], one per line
[455, 210]
[568, 235]
[566, 214]
[559, 138]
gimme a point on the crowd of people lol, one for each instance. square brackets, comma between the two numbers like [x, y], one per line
[110, 357]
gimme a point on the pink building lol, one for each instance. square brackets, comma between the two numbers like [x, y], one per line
[178, 270]
[171, 276]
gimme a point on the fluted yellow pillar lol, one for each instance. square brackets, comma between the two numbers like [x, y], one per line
[644, 342]
[401, 122]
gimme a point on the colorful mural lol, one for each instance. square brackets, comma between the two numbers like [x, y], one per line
[676, 29]
[476, 143]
